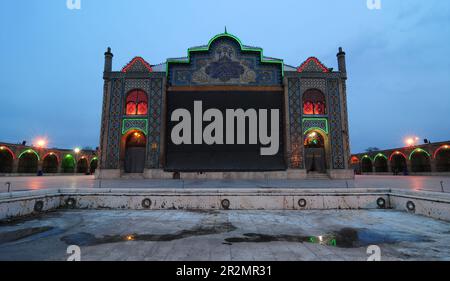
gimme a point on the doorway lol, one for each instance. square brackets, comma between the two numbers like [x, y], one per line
[135, 146]
[315, 159]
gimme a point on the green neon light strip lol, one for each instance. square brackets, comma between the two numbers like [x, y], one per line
[316, 128]
[380, 155]
[29, 151]
[243, 48]
[139, 129]
[418, 150]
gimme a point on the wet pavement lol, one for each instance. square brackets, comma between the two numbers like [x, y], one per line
[225, 235]
[430, 183]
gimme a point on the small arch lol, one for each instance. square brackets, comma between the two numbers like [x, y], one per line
[50, 163]
[133, 130]
[136, 102]
[314, 102]
[93, 165]
[418, 150]
[6, 160]
[366, 164]
[354, 160]
[420, 161]
[27, 151]
[53, 154]
[9, 150]
[398, 163]
[68, 164]
[381, 163]
[82, 166]
[397, 153]
[28, 161]
[312, 129]
[442, 158]
[445, 146]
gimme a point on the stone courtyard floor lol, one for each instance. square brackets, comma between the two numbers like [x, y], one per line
[225, 235]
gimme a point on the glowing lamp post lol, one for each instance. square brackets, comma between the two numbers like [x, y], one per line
[40, 143]
[411, 141]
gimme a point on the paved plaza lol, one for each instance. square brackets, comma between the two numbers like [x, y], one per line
[430, 183]
[225, 235]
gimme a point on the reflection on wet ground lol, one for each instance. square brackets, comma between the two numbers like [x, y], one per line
[88, 239]
[343, 238]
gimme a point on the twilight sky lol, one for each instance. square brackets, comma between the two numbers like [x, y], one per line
[398, 58]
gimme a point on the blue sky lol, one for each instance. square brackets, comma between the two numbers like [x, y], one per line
[398, 58]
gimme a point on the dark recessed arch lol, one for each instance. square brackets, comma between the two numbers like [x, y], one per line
[366, 165]
[442, 158]
[381, 163]
[398, 163]
[28, 162]
[6, 160]
[82, 166]
[420, 161]
[93, 166]
[50, 163]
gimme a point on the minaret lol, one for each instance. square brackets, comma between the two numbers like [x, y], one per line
[341, 63]
[344, 114]
[108, 61]
[105, 114]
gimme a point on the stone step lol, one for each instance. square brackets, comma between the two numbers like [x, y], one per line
[132, 176]
[317, 176]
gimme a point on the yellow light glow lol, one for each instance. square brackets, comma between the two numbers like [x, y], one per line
[313, 134]
[2, 147]
[77, 150]
[409, 142]
[129, 237]
[40, 142]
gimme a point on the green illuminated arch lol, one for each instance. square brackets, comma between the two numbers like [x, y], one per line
[419, 150]
[29, 151]
[380, 155]
[221, 35]
[366, 156]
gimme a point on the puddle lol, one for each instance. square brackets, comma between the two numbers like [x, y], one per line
[19, 234]
[344, 238]
[88, 239]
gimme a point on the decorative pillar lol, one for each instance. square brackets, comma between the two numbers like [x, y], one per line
[408, 166]
[433, 165]
[15, 167]
[389, 166]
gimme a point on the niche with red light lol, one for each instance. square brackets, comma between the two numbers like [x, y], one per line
[136, 103]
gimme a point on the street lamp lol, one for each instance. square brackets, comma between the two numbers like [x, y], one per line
[41, 142]
[411, 141]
